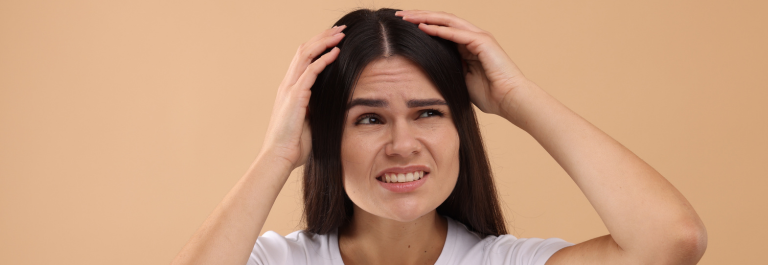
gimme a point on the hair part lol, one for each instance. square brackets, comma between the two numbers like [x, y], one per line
[371, 35]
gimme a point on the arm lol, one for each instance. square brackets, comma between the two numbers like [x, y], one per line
[230, 232]
[649, 221]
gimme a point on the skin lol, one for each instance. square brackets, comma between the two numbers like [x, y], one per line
[396, 135]
[650, 222]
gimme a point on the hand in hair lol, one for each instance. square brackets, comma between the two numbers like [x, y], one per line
[288, 134]
[490, 73]
[230, 232]
[649, 220]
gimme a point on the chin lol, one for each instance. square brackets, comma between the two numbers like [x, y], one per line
[407, 210]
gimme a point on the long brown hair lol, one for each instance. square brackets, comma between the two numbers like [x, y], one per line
[370, 35]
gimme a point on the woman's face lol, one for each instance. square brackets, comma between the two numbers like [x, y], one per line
[398, 126]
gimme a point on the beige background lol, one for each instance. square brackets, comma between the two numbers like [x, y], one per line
[124, 123]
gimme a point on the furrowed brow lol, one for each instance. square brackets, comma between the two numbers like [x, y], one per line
[417, 103]
[376, 103]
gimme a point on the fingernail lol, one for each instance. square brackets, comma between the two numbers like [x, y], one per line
[335, 27]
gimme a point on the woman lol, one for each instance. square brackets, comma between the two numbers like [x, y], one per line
[397, 173]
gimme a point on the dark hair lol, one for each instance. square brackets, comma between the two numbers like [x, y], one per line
[376, 34]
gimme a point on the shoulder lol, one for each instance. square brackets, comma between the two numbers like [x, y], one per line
[507, 249]
[298, 247]
[469, 247]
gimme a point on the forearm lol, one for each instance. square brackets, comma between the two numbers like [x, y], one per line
[230, 232]
[644, 213]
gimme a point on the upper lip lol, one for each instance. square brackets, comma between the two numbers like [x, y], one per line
[403, 170]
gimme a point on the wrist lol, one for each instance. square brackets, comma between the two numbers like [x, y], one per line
[275, 159]
[512, 106]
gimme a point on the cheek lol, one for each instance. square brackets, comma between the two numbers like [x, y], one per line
[444, 147]
[454, 156]
[453, 166]
[357, 155]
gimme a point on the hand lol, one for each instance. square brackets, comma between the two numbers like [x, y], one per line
[288, 135]
[491, 75]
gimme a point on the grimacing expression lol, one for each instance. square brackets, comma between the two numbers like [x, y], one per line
[398, 121]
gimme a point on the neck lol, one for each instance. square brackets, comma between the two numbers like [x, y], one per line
[370, 239]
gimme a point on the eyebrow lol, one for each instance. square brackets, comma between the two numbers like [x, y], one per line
[380, 103]
[417, 103]
[376, 103]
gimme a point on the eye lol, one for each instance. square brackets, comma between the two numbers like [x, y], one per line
[368, 119]
[430, 112]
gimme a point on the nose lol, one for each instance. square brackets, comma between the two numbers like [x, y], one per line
[403, 142]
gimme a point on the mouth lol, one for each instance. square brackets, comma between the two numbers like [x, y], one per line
[402, 177]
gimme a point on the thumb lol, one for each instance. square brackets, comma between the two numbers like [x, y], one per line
[305, 143]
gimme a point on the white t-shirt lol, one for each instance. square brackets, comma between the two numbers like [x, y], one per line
[461, 247]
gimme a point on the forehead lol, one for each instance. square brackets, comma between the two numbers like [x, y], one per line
[394, 76]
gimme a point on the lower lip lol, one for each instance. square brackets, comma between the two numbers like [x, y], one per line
[405, 186]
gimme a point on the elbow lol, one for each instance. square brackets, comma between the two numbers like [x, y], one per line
[689, 244]
[697, 241]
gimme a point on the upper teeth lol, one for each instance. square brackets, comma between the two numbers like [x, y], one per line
[403, 177]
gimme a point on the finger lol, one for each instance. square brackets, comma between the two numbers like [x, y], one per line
[326, 33]
[310, 75]
[437, 18]
[472, 40]
[294, 70]
[305, 55]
